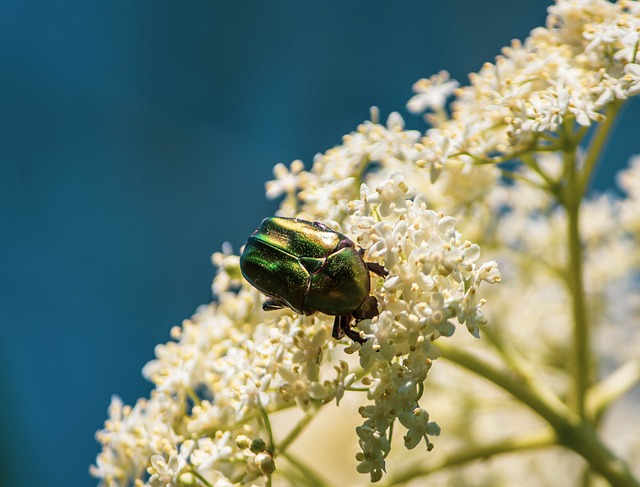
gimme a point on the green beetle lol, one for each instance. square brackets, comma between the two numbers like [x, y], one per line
[309, 268]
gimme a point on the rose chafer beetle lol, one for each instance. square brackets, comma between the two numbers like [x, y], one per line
[309, 268]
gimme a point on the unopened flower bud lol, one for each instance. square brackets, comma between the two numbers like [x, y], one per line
[257, 445]
[265, 463]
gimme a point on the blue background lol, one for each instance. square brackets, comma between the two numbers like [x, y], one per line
[136, 138]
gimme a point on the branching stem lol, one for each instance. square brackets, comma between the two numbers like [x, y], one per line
[311, 477]
[529, 441]
[296, 430]
[570, 430]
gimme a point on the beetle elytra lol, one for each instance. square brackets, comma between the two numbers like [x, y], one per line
[310, 268]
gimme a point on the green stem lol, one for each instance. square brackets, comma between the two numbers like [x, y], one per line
[518, 176]
[511, 357]
[576, 182]
[390, 436]
[597, 144]
[570, 431]
[295, 432]
[311, 477]
[615, 385]
[581, 330]
[267, 425]
[554, 413]
[529, 441]
[193, 396]
[522, 369]
[197, 475]
[530, 161]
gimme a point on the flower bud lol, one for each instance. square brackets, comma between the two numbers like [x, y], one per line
[257, 445]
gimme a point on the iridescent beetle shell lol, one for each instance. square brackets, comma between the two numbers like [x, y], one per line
[310, 268]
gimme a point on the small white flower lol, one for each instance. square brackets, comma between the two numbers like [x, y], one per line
[432, 93]
[287, 180]
[418, 427]
[632, 79]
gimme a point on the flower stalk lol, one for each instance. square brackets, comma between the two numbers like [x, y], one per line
[526, 442]
[570, 430]
[582, 364]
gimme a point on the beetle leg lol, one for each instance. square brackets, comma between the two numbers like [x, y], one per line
[351, 333]
[337, 331]
[377, 269]
[273, 304]
[373, 267]
[342, 327]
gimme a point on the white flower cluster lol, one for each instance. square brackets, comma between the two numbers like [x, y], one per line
[323, 192]
[584, 59]
[233, 362]
[434, 278]
[533, 253]
[530, 326]
[406, 198]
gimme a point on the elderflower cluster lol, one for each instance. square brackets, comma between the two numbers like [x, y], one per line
[419, 204]
[585, 58]
[434, 278]
[232, 362]
[530, 322]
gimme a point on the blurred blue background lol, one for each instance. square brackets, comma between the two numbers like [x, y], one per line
[136, 138]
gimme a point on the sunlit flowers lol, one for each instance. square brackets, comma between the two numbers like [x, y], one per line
[495, 191]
